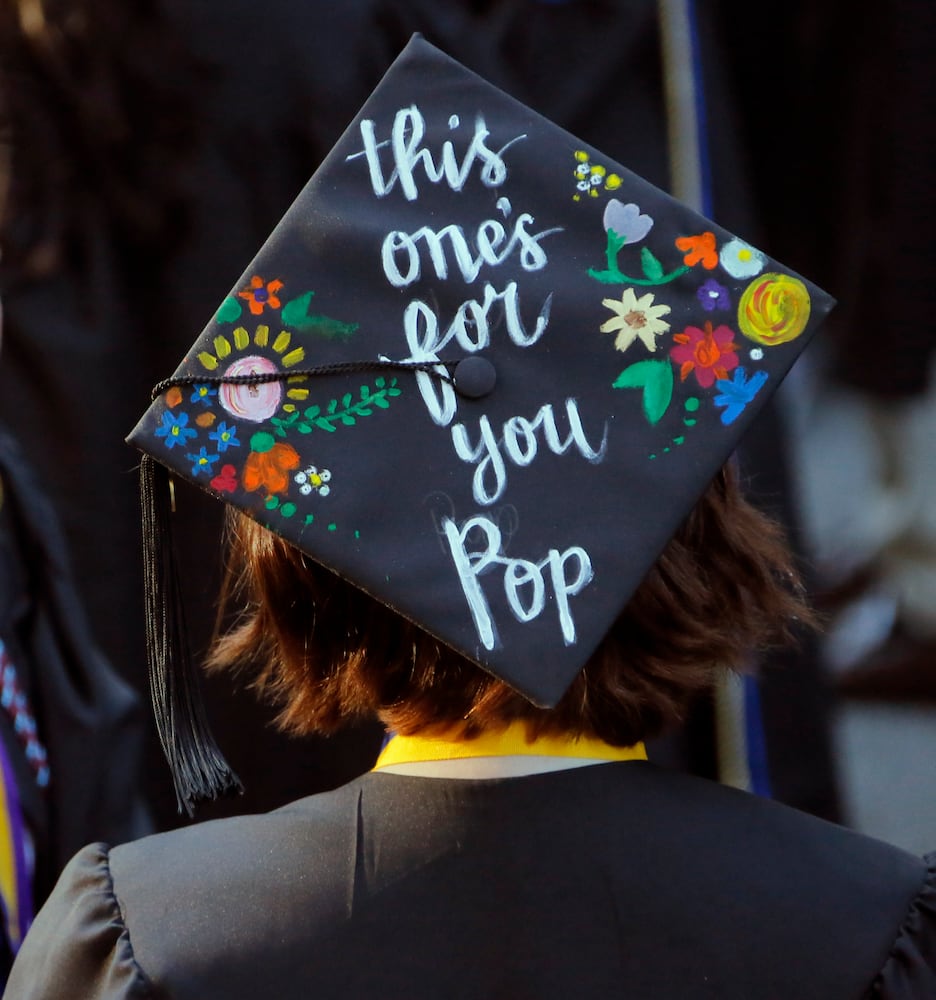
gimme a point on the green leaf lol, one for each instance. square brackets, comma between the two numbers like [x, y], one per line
[295, 311]
[615, 241]
[381, 402]
[230, 312]
[312, 412]
[652, 268]
[325, 326]
[655, 378]
[346, 400]
[332, 407]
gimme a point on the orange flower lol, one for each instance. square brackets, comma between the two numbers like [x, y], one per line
[699, 250]
[269, 464]
[261, 294]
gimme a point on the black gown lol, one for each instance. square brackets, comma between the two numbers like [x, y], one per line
[619, 879]
[87, 718]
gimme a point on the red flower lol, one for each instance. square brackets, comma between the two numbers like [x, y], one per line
[710, 353]
[269, 464]
[226, 480]
[699, 249]
[261, 294]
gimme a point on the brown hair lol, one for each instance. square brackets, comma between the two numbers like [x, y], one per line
[329, 654]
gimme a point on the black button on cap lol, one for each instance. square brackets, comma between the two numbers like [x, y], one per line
[474, 377]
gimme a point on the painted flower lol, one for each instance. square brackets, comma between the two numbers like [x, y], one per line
[251, 402]
[741, 260]
[174, 429]
[261, 294]
[736, 393]
[269, 464]
[226, 437]
[699, 249]
[226, 480]
[774, 309]
[313, 480]
[591, 176]
[710, 353]
[635, 318]
[202, 462]
[626, 221]
[173, 397]
[203, 393]
[712, 296]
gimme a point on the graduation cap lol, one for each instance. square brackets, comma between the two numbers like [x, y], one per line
[480, 370]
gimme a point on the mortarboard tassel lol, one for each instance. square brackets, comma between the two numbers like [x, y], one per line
[199, 770]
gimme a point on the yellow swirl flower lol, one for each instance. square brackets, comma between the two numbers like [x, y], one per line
[774, 309]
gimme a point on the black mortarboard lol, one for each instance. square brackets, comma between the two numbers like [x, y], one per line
[481, 371]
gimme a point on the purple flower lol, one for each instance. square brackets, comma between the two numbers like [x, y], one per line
[713, 296]
[626, 221]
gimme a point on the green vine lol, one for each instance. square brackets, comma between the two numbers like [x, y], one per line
[343, 412]
[649, 264]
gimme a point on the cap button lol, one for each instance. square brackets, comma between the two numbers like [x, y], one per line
[474, 377]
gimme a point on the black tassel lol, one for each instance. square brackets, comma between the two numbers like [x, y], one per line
[199, 770]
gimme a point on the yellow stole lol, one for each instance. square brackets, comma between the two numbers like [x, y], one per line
[510, 742]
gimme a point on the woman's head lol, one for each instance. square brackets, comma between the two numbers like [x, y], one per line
[329, 654]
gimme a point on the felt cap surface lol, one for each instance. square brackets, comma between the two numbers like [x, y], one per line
[493, 371]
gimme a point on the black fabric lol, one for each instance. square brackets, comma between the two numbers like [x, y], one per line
[612, 880]
[88, 718]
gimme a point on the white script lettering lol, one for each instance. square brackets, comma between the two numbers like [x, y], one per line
[471, 329]
[519, 442]
[519, 575]
[406, 136]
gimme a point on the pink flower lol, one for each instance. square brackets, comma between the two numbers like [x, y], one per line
[709, 353]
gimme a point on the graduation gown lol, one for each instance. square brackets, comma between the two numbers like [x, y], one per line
[619, 879]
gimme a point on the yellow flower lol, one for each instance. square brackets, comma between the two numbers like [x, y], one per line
[635, 318]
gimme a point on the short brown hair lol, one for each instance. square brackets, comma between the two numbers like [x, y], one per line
[328, 654]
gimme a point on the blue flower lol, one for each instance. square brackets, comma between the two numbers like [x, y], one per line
[737, 392]
[225, 436]
[203, 393]
[174, 429]
[202, 462]
[712, 296]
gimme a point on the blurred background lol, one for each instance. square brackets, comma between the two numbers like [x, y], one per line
[149, 148]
